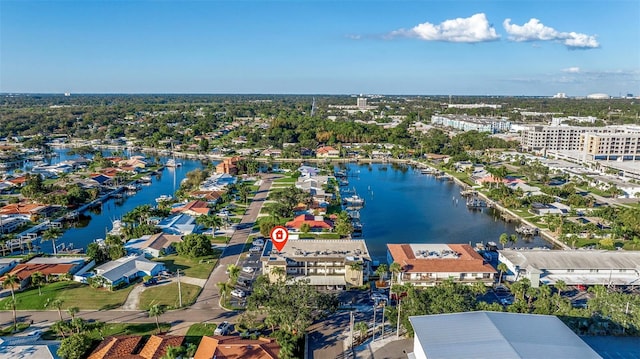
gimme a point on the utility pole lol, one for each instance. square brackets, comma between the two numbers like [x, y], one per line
[383, 308]
[179, 289]
[373, 337]
[351, 330]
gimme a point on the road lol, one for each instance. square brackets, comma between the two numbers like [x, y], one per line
[205, 309]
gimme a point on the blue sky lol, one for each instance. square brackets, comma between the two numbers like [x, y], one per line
[333, 47]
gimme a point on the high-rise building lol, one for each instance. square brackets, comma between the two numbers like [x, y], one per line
[362, 103]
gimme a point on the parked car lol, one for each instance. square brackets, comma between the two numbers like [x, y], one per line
[255, 249]
[238, 293]
[258, 242]
[248, 269]
[223, 329]
[150, 282]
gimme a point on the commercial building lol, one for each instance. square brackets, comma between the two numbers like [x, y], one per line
[495, 335]
[469, 123]
[334, 262]
[577, 267]
[611, 146]
[430, 264]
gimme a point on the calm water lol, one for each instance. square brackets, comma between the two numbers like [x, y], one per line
[404, 206]
[95, 225]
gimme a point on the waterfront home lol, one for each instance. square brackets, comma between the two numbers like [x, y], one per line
[179, 224]
[130, 347]
[11, 223]
[574, 267]
[327, 152]
[436, 158]
[101, 179]
[431, 264]
[193, 208]
[272, 152]
[127, 269]
[228, 166]
[154, 245]
[217, 182]
[315, 223]
[49, 266]
[28, 209]
[211, 197]
[308, 171]
[495, 335]
[218, 346]
[556, 208]
[332, 263]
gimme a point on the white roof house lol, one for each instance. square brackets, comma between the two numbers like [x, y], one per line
[495, 335]
[128, 268]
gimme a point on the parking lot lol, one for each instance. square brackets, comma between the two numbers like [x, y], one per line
[250, 268]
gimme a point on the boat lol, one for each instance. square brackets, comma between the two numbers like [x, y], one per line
[343, 182]
[527, 230]
[117, 227]
[132, 187]
[476, 203]
[145, 179]
[354, 200]
[164, 198]
[171, 162]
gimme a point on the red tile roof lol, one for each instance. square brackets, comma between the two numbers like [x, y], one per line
[325, 149]
[469, 261]
[157, 346]
[228, 347]
[196, 207]
[25, 270]
[21, 208]
[125, 347]
[311, 221]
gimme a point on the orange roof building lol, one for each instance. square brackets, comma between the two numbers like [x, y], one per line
[327, 151]
[234, 347]
[314, 222]
[193, 208]
[130, 347]
[430, 264]
[228, 166]
[23, 208]
[210, 196]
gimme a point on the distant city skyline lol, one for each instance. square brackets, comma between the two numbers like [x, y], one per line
[493, 47]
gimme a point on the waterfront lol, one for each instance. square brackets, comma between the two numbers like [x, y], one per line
[405, 206]
[402, 206]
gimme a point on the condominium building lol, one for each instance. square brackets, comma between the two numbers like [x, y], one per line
[592, 143]
[430, 264]
[333, 263]
[470, 123]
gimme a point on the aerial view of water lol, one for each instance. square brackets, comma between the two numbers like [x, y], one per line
[402, 206]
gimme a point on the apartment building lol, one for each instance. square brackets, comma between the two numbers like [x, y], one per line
[333, 263]
[470, 123]
[611, 146]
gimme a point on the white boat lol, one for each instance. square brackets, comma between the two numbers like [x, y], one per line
[354, 200]
[163, 198]
[117, 228]
[172, 163]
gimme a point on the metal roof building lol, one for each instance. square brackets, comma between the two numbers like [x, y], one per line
[495, 335]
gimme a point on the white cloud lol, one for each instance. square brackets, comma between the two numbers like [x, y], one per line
[572, 70]
[471, 29]
[534, 30]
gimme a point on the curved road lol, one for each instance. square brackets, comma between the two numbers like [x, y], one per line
[205, 309]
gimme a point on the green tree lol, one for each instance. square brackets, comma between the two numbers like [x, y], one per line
[52, 234]
[209, 221]
[381, 271]
[13, 304]
[561, 286]
[343, 225]
[10, 281]
[362, 328]
[73, 311]
[194, 245]
[504, 238]
[38, 279]
[357, 267]
[156, 311]
[75, 346]
[502, 268]
[234, 272]
[56, 303]
[224, 289]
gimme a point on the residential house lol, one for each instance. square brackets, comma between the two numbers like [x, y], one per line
[126, 269]
[193, 208]
[272, 152]
[315, 223]
[308, 171]
[154, 245]
[10, 224]
[179, 224]
[7, 264]
[431, 264]
[24, 270]
[495, 335]
[228, 166]
[327, 152]
[209, 196]
[28, 209]
[217, 182]
[333, 263]
[556, 208]
[131, 347]
[102, 179]
[574, 267]
[235, 347]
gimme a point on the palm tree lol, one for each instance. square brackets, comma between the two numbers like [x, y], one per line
[173, 352]
[279, 272]
[234, 272]
[561, 286]
[224, 289]
[357, 267]
[504, 238]
[52, 234]
[381, 271]
[479, 288]
[73, 311]
[37, 279]
[502, 268]
[362, 328]
[155, 311]
[12, 304]
[513, 239]
[10, 281]
[209, 221]
[57, 303]
[286, 349]
[394, 268]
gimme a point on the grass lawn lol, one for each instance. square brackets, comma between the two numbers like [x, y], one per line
[201, 329]
[190, 267]
[285, 180]
[109, 329]
[8, 331]
[220, 239]
[167, 295]
[73, 294]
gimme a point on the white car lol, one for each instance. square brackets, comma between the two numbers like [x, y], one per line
[239, 293]
[258, 242]
[223, 329]
[248, 269]
[255, 249]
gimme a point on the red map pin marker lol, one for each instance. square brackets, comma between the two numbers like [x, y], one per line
[279, 236]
